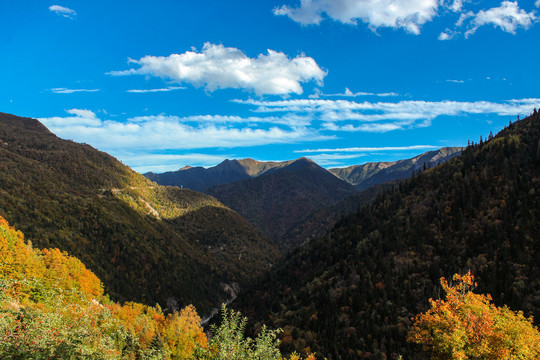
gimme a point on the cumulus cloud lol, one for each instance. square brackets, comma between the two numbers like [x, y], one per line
[407, 14]
[71, 91]
[220, 67]
[63, 11]
[537, 3]
[508, 17]
[143, 91]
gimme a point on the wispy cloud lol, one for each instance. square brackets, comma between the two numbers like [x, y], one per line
[63, 11]
[169, 162]
[446, 35]
[350, 94]
[290, 120]
[71, 91]
[406, 14]
[344, 110]
[369, 149]
[455, 81]
[333, 159]
[166, 133]
[508, 17]
[220, 67]
[143, 91]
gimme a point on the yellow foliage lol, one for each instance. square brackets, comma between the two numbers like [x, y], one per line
[183, 333]
[469, 326]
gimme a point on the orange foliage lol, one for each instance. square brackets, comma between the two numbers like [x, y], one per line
[142, 321]
[34, 275]
[70, 273]
[17, 260]
[469, 326]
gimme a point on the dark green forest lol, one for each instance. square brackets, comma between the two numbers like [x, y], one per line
[352, 293]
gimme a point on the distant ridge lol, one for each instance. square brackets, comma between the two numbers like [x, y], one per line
[367, 175]
[283, 195]
[201, 179]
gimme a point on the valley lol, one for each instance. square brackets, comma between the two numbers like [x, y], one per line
[340, 265]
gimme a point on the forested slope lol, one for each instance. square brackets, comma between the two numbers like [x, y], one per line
[146, 242]
[352, 293]
[282, 197]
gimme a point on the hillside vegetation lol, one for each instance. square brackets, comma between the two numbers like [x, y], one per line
[281, 198]
[352, 293]
[146, 242]
[52, 307]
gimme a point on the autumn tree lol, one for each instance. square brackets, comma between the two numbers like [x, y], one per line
[468, 326]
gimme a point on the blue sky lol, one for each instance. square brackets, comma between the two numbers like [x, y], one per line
[164, 84]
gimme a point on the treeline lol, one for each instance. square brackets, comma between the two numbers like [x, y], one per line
[352, 293]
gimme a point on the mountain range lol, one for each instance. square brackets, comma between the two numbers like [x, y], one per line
[370, 174]
[281, 198]
[365, 248]
[147, 242]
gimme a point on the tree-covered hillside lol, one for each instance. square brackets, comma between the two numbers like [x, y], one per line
[53, 307]
[146, 242]
[282, 197]
[352, 293]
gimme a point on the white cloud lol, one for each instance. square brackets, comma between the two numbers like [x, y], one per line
[166, 133]
[457, 5]
[455, 81]
[370, 149]
[333, 159]
[407, 14]
[70, 91]
[349, 93]
[343, 115]
[290, 120]
[537, 3]
[445, 36]
[168, 162]
[81, 118]
[63, 11]
[508, 17]
[142, 91]
[219, 67]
